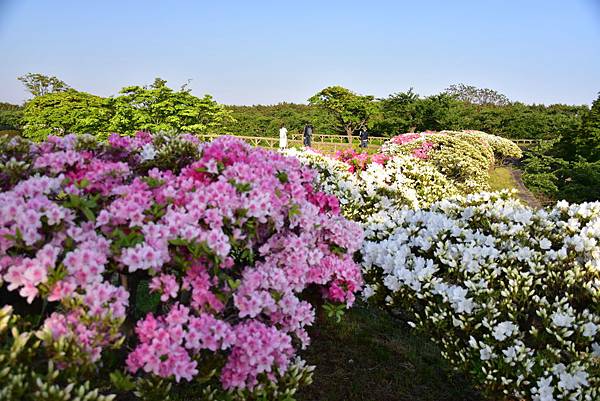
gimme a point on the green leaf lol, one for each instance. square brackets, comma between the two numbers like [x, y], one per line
[88, 213]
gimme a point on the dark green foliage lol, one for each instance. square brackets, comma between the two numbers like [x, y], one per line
[145, 301]
[11, 116]
[138, 108]
[351, 111]
[64, 112]
[157, 107]
[580, 182]
[399, 113]
[568, 167]
[266, 120]
[371, 355]
[588, 142]
[407, 112]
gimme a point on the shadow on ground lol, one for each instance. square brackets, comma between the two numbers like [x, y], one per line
[371, 356]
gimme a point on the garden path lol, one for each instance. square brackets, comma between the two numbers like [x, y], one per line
[524, 194]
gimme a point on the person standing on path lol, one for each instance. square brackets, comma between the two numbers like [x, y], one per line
[308, 131]
[364, 137]
[283, 137]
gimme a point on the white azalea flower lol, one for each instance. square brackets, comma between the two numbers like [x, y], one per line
[544, 390]
[562, 320]
[504, 330]
[590, 329]
[545, 243]
[148, 152]
[486, 353]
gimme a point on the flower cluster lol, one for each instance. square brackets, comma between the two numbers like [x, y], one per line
[464, 157]
[502, 147]
[234, 241]
[359, 161]
[399, 181]
[510, 294]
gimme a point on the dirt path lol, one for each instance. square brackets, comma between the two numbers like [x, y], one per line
[524, 194]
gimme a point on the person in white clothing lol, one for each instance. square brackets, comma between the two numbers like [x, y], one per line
[283, 137]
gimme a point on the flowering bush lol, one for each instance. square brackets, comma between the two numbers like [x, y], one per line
[464, 157]
[359, 161]
[20, 376]
[464, 160]
[503, 148]
[376, 186]
[511, 294]
[189, 261]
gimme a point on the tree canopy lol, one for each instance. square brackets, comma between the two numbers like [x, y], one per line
[151, 108]
[64, 112]
[352, 111]
[39, 84]
[159, 108]
[479, 96]
[11, 116]
[568, 166]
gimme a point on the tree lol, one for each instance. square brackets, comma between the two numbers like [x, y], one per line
[67, 112]
[10, 117]
[437, 113]
[159, 108]
[479, 96]
[588, 142]
[265, 120]
[399, 113]
[352, 111]
[39, 85]
[568, 167]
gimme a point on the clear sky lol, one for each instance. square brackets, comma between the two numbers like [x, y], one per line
[250, 52]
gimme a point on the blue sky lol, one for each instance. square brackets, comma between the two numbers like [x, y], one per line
[250, 52]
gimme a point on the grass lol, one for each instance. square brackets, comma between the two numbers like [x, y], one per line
[502, 178]
[371, 356]
[506, 178]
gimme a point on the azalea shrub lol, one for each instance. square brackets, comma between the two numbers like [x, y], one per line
[25, 373]
[510, 294]
[366, 185]
[502, 148]
[464, 157]
[157, 260]
[359, 161]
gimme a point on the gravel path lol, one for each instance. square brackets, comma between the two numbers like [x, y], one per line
[524, 194]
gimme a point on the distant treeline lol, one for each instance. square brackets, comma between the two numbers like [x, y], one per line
[405, 112]
[565, 165]
[11, 117]
[56, 108]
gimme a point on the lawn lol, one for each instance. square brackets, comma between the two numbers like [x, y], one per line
[506, 178]
[372, 356]
[502, 178]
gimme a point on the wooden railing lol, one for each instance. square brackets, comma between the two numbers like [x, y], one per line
[326, 142]
[321, 142]
[525, 142]
[339, 139]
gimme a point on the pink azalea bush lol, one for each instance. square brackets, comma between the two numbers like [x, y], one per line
[236, 246]
[403, 139]
[461, 157]
[359, 161]
[422, 146]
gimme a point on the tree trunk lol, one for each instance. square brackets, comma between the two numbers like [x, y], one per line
[349, 132]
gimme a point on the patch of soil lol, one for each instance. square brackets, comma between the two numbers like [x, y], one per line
[524, 194]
